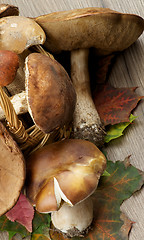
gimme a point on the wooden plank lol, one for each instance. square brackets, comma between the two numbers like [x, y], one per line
[128, 71]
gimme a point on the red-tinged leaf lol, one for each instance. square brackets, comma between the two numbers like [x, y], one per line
[114, 105]
[99, 67]
[12, 227]
[109, 223]
[22, 212]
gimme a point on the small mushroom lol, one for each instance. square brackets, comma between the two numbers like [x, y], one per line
[8, 10]
[61, 177]
[9, 63]
[18, 33]
[50, 94]
[12, 171]
[78, 30]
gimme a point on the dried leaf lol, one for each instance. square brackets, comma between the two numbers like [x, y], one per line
[126, 227]
[114, 105]
[22, 212]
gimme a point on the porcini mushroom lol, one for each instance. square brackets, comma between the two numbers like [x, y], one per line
[66, 171]
[9, 63]
[18, 33]
[8, 10]
[12, 171]
[77, 30]
[50, 93]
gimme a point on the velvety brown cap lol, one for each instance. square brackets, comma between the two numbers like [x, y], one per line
[18, 33]
[76, 166]
[8, 10]
[12, 171]
[50, 93]
[104, 29]
[9, 63]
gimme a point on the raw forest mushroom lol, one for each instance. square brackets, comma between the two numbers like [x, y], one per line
[12, 171]
[9, 63]
[18, 85]
[18, 33]
[61, 177]
[8, 10]
[50, 94]
[78, 30]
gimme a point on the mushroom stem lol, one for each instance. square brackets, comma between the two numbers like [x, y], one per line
[19, 103]
[74, 221]
[16, 127]
[87, 124]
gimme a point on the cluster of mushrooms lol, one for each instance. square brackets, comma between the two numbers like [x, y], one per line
[61, 176]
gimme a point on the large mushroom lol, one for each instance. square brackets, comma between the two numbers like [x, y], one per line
[12, 171]
[78, 30]
[61, 177]
[50, 93]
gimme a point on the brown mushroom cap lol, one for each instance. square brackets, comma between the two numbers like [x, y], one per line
[106, 30]
[73, 165]
[12, 171]
[50, 93]
[9, 63]
[8, 10]
[17, 33]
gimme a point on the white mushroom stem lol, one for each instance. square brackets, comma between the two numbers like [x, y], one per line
[87, 124]
[73, 221]
[19, 103]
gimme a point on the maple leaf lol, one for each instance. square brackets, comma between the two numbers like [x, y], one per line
[22, 212]
[115, 131]
[109, 223]
[12, 227]
[41, 225]
[114, 105]
[99, 68]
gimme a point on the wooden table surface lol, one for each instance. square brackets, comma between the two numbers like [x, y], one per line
[128, 71]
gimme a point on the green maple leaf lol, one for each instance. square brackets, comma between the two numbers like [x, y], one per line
[115, 131]
[111, 192]
[12, 227]
[41, 226]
